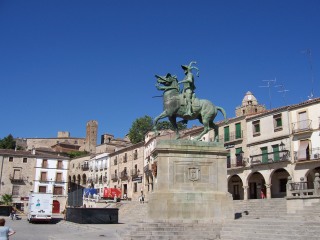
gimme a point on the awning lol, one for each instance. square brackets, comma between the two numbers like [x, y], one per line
[302, 152]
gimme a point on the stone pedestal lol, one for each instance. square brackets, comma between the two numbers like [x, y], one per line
[191, 182]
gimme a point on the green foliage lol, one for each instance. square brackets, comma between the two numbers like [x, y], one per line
[164, 125]
[77, 154]
[142, 125]
[6, 199]
[7, 142]
[139, 129]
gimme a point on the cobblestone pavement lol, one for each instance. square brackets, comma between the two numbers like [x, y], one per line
[59, 229]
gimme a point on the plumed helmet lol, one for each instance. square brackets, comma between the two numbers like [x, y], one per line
[190, 67]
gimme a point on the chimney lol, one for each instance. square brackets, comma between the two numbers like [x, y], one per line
[33, 151]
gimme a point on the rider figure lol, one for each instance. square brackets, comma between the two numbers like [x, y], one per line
[188, 86]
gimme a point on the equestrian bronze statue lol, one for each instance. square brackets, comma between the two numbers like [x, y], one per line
[185, 105]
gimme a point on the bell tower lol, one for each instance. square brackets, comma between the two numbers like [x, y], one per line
[91, 136]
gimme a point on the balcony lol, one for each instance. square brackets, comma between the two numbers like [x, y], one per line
[273, 157]
[60, 181]
[114, 177]
[236, 162]
[45, 180]
[85, 167]
[302, 127]
[308, 154]
[124, 175]
[134, 172]
[16, 179]
[233, 137]
[104, 179]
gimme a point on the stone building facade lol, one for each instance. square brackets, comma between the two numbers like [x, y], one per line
[23, 171]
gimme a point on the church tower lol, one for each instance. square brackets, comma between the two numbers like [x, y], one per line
[91, 136]
[249, 106]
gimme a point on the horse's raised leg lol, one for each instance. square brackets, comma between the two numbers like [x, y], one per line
[173, 121]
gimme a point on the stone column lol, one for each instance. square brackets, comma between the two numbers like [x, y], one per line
[316, 184]
[268, 190]
[245, 192]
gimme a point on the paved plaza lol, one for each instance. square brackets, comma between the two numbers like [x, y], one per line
[61, 230]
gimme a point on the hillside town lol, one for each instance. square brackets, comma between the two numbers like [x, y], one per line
[265, 149]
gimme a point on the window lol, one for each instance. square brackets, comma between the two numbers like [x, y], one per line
[45, 163]
[303, 121]
[228, 160]
[238, 131]
[277, 122]
[115, 161]
[25, 160]
[303, 151]
[239, 155]
[59, 165]
[16, 174]
[15, 190]
[264, 152]
[276, 155]
[135, 155]
[57, 191]
[226, 134]
[42, 189]
[59, 177]
[256, 128]
[10, 159]
[43, 176]
[135, 187]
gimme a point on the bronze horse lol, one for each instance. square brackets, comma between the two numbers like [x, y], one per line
[174, 106]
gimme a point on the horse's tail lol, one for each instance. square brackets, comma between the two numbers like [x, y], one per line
[223, 113]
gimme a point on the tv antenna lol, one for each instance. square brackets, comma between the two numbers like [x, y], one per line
[283, 91]
[269, 84]
[308, 53]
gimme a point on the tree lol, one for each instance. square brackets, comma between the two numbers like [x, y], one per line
[142, 125]
[6, 199]
[76, 154]
[139, 129]
[7, 142]
[164, 125]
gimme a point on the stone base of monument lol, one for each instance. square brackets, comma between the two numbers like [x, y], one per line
[191, 182]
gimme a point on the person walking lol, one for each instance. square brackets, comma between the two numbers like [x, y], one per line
[13, 214]
[5, 232]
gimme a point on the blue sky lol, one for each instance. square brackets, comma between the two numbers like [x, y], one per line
[63, 63]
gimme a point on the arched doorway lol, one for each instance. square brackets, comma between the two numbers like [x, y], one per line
[79, 179]
[84, 179]
[279, 179]
[55, 206]
[235, 187]
[310, 177]
[256, 184]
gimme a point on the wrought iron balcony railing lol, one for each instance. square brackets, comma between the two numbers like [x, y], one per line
[232, 137]
[302, 126]
[270, 157]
